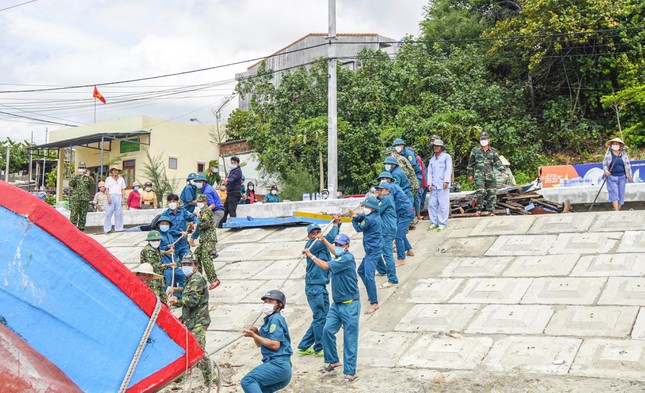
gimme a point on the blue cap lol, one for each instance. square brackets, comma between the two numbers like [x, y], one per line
[398, 141]
[370, 201]
[384, 185]
[311, 227]
[191, 176]
[391, 160]
[341, 239]
[385, 175]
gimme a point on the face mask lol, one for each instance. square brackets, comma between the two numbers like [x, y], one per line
[483, 142]
[274, 192]
[155, 243]
[200, 205]
[367, 211]
[223, 188]
[188, 270]
[372, 190]
[398, 149]
[250, 188]
[172, 205]
[268, 308]
[388, 167]
[199, 186]
[233, 166]
[338, 251]
[615, 147]
[81, 171]
[136, 188]
[148, 188]
[164, 227]
[339, 193]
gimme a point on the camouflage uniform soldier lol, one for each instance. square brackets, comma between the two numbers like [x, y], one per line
[408, 169]
[207, 240]
[82, 186]
[481, 162]
[194, 309]
[152, 255]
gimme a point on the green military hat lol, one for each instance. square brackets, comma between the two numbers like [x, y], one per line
[153, 235]
[82, 164]
[213, 163]
[391, 149]
[202, 198]
[484, 135]
[188, 259]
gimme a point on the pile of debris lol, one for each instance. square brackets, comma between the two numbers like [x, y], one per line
[510, 201]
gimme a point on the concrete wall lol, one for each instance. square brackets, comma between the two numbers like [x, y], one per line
[634, 192]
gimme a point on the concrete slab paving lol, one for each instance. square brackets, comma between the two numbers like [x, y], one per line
[585, 321]
[437, 317]
[231, 317]
[582, 291]
[281, 270]
[561, 223]
[521, 245]
[633, 241]
[585, 243]
[463, 227]
[492, 290]
[628, 291]
[618, 221]
[610, 358]
[249, 235]
[294, 290]
[472, 246]
[278, 251]
[511, 319]
[434, 290]
[383, 349]
[476, 267]
[541, 266]
[241, 270]
[543, 355]
[638, 331]
[607, 265]
[123, 239]
[465, 353]
[503, 225]
[240, 251]
[233, 291]
[126, 254]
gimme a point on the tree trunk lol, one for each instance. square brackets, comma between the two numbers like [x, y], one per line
[322, 171]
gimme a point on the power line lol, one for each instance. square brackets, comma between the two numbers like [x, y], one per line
[18, 5]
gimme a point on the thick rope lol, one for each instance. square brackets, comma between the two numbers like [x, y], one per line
[142, 344]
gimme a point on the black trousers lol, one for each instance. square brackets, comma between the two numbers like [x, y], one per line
[230, 207]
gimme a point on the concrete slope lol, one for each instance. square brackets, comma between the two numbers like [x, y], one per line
[503, 304]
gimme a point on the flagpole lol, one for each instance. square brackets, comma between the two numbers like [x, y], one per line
[94, 110]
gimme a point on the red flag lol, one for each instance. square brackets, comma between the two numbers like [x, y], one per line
[98, 95]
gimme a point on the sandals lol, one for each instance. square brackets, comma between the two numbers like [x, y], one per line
[372, 309]
[214, 285]
[386, 285]
[348, 379]
[330, 368]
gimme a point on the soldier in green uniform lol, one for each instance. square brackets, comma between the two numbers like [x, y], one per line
[213, 173]
[481, 162]
[407, 168]
[82, 186]
[194, 309]
[152, 255]
[207, 240]
[147, 275]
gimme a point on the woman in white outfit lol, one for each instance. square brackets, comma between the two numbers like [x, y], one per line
[115, 186]
[439, 174]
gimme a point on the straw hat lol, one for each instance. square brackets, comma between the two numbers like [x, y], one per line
[609, 142]
[146, 268]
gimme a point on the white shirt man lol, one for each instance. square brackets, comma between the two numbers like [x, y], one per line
[115, 186]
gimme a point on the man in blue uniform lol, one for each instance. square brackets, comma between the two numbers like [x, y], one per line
[214, 201]
[316, 281]
[405, 214]
[189, 194]
[346, 307]
[387, 210]
[392, 166]
[178, 233]
[275, 345]
[369, 222]
[408, 153]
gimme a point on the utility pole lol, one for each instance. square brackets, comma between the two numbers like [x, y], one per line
[332, 111]
[6, 171]
[44, 154]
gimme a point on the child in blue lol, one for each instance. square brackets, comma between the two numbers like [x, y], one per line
[370, 224]
[275, 344]
[345, 309]
[316, 281]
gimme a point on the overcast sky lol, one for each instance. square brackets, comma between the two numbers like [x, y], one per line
[62, 43]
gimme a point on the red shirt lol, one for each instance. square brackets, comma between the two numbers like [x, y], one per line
[134, 200]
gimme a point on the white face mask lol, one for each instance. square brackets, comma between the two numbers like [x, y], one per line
[250, 188]
[274, 192]
[188, 270]
[483, 142]
[615, 147]
[388, 167]
[398, 149]
[268, 308]
[155, 243]
[199, 185]
[222, 188]
[200, 205]
[367, 211]
[81, 171]
[172, 205]
[148, 188]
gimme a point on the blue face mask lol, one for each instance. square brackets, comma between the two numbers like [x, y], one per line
[338, 251]
[164, 227]
[388, 167]
[136, 188]
[188, 270]
[199, 185]
[372, 190]
[233, 166]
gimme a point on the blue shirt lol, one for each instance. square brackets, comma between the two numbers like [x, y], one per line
[439, 170]
[275, 328]
[166, 240]
[178, 222]
[618, 165]
[270, 198]
[344, 281]
[316, 275]
[387, 210]
[212, 196]
[370, 225]
[402, 180]
[188, 194]
[401, 201]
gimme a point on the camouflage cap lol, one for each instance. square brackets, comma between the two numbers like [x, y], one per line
[82, 164]
[188, 259]
[484, 135]
[202, 198]
[434, 137]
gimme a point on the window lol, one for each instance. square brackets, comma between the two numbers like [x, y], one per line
[200, 167]
[172, 163]
[128, 172]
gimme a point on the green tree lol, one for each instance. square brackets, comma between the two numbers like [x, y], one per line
[155, 171]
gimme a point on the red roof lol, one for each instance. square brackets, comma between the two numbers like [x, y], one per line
[313, 35]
